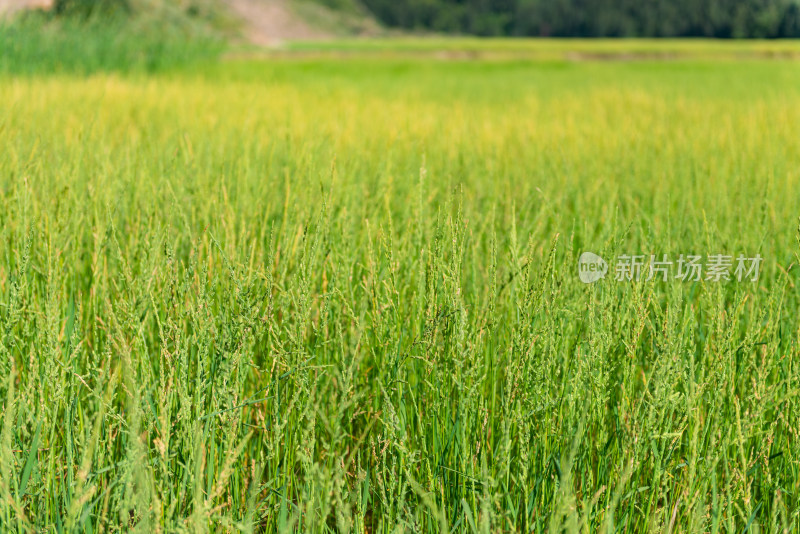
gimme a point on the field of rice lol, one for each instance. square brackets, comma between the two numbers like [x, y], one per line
[341, 293]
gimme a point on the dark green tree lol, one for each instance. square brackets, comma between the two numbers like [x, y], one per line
[596, 18]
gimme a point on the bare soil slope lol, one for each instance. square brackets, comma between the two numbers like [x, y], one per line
[10, 6]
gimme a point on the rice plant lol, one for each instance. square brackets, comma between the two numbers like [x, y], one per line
[320, 294]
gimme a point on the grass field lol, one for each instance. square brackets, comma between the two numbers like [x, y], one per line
[324, 294]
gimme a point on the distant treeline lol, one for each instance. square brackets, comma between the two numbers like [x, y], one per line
[596, 18]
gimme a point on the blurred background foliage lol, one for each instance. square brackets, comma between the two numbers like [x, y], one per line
[596, 18]
[84, 36]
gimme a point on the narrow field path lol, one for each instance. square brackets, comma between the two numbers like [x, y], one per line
[270, 22]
